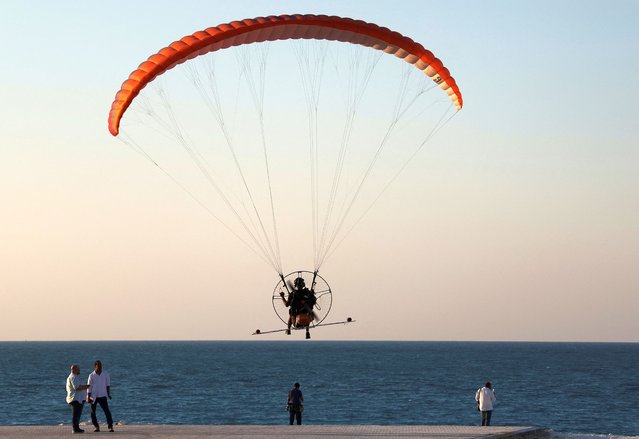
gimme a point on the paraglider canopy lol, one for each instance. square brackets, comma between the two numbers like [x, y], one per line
[348, 142]
[282, 27]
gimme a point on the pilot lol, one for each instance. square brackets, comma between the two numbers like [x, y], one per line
[300, 301]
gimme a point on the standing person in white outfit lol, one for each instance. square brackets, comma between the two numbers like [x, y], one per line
[75, 396]
[99, 390]
[486, 398]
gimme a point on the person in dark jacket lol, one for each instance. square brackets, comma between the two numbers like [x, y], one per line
[295, 404]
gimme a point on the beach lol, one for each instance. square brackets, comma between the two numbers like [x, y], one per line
[302, 431]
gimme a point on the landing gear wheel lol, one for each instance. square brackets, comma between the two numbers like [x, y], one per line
[322, 290]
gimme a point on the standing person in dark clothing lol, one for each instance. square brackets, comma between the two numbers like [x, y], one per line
[295, 404]
[99, 390]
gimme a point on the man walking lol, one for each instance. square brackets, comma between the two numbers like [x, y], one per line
[99, 390]
[485, 397]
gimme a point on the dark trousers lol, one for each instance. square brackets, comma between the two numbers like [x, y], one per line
[295, 414]
[76, 407]
[104, 403]
[485, 417]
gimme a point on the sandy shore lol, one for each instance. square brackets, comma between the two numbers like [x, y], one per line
[271, 432]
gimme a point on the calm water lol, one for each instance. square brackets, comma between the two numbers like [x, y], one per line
[576, 388]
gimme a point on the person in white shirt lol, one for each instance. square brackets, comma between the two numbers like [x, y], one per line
[485, 397]
[99, 390]
[76, 396]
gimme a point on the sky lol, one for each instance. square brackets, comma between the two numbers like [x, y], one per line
[519, 223]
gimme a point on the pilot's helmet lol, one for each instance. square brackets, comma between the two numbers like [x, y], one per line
[299, 282]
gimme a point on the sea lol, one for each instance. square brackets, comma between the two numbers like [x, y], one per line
[574, 389]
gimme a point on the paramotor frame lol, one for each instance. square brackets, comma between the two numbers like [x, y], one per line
[314, 282]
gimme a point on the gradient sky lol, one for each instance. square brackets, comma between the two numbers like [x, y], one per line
[521, 223]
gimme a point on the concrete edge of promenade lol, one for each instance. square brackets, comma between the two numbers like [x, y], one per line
[270, 432]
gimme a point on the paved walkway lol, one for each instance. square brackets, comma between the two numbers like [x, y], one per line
[270, 432]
